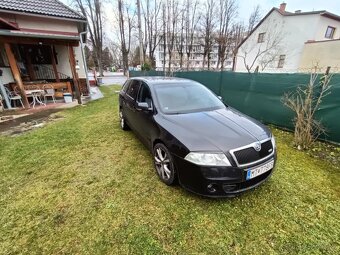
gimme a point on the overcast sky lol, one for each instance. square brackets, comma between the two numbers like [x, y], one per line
[245, 8]
[292, 5]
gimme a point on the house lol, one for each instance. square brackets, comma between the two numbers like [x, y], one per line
[321, 54]
[39, 44]
[195, 60]
[282, 41]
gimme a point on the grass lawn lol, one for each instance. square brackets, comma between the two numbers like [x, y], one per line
[80, 185]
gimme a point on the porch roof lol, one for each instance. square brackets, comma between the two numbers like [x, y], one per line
[42, 7]
[40, 34]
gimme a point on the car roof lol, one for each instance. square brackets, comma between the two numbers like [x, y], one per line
[156, 80]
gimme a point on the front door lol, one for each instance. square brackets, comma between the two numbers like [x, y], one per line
[144, 118]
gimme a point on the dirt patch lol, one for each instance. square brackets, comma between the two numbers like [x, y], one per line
[14, 125]
[326, 151]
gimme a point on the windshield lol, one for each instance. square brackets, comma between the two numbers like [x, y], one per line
[186, 97]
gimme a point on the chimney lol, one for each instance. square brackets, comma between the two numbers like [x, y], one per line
[283, 7]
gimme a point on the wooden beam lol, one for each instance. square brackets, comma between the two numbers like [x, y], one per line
[69, 88]
[31, 40]
[74, 72]
[54, 65]
[16, 73]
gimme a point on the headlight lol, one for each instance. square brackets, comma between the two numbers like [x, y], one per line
[273, 142]
[208, 159]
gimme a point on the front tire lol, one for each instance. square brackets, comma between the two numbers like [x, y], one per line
[164, 164]
[122, 121]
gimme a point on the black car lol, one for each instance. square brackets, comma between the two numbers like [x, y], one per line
[209, 147]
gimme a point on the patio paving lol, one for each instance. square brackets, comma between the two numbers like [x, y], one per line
[17, 121]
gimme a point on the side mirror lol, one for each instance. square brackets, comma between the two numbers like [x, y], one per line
[144, 106]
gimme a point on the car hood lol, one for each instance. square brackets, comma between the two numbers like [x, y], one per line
[219, 130]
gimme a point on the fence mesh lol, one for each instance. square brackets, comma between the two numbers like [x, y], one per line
[259, 95]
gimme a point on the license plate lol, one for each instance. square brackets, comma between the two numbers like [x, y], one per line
[253, 172]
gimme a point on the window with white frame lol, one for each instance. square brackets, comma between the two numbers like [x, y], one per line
[330, 32]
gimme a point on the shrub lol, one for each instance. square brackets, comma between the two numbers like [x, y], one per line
[305, 101]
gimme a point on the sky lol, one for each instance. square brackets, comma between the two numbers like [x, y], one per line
[246, 6]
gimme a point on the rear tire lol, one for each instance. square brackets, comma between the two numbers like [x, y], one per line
[164, 164]
[122, 121]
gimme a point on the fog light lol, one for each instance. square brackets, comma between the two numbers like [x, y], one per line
[211, 188]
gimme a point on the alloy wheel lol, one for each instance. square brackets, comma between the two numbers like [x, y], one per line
[163, 164]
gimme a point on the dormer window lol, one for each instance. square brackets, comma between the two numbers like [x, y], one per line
[330, 32]
[260, 39]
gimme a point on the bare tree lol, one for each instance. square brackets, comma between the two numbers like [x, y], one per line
[180, 37]
[191, 21]
[208, 26]
[164, 34]
[125, 19]
[151, 28]
[237, 35]
[227, 13]
[92, 10]
[116, 54]
[265, 52]
[172, 10]
[305, 102]
[254, 18]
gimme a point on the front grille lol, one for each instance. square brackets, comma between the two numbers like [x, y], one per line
[249, 155]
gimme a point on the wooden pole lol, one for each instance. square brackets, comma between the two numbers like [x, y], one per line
[16, 73]
[74, 72]
[54, 64]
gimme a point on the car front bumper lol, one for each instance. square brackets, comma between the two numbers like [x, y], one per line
[218, 181]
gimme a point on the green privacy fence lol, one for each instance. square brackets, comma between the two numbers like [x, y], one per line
[259, 95]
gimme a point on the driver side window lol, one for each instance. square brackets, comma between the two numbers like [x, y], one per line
[144, 95]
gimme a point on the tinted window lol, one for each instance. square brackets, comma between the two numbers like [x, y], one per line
[144, 95]
[133, 88]
[186, 97]
[126, 85]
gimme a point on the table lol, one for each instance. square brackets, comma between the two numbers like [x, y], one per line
[35, 93]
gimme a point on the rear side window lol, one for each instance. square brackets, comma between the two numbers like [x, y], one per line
[133, 88]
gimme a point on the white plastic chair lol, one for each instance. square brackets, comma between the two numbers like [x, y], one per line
[13, 96]
[49, 92]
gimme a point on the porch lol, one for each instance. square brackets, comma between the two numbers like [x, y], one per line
[39, 62]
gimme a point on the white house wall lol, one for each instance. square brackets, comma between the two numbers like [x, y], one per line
[63, 60]
[292, 31]
[321, 54]
[41, 23]
[295, 31]
[64, 63]
[79, 58]
[322, 27]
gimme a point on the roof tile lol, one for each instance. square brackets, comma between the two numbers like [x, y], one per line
[44, 7]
